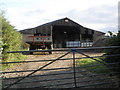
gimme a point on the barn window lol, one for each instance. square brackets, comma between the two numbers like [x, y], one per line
[37, 38]
[65, 32]
[66, 20]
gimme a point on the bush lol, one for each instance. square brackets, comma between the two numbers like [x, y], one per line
[11, 41]
[113, 41]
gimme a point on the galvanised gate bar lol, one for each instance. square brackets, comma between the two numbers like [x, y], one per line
[73, 76]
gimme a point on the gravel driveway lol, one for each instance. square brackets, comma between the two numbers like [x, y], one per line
[44, 76]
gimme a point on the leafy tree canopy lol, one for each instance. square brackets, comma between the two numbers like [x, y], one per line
[11, 40]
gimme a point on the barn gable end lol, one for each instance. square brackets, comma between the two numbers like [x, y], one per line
[64, 30]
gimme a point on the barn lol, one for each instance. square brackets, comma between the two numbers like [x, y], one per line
[64, 33]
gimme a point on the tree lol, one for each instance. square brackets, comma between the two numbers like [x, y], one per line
[11, 40]
[1, 33]
[111, 34]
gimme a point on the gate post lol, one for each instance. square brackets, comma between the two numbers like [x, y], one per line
[74, 50]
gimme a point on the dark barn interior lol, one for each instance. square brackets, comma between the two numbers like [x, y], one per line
[61, 34]
[88, 35]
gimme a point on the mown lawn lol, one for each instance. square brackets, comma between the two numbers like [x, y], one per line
[92, 65]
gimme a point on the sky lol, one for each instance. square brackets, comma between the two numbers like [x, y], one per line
[101, 15]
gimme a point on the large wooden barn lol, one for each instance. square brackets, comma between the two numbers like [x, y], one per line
[63, 33]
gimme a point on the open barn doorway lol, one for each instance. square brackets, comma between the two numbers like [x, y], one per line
[62, 34]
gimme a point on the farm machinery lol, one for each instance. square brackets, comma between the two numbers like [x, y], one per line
[39, 42]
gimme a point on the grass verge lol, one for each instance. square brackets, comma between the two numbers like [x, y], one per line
[13, 59]
[95, 66]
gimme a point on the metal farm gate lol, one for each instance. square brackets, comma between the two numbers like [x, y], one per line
[72, 76]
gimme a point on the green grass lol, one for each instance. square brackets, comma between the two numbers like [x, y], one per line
[13, 59]
[96, 69]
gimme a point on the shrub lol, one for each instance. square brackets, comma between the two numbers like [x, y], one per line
[113, 41]
[11, 41]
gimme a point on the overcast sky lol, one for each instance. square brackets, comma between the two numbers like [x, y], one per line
[101, 15]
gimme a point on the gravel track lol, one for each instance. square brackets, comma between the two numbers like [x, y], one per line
[56, 64]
